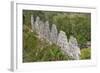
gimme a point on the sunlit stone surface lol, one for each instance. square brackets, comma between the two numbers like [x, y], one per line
[63, 42]
[53, 34]
[32, 23]
[75, 50]
[43, 31]
[37, 25]
[46, 31]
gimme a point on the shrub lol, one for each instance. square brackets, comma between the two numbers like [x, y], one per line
[85, 53]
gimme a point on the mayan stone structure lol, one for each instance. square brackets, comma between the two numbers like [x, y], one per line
[54, 34]
[69, 47]
[75, 50]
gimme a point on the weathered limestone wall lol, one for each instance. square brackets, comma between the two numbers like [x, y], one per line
[70, 47]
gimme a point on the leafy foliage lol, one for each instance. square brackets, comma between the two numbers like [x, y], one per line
[85, 53]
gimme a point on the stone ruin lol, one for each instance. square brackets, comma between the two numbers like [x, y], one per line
[36, 25]
[41, 30]
[53, 34]
[62, 42]
[74, 48]
[32, 22]
[69, 48]
[46, 31]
